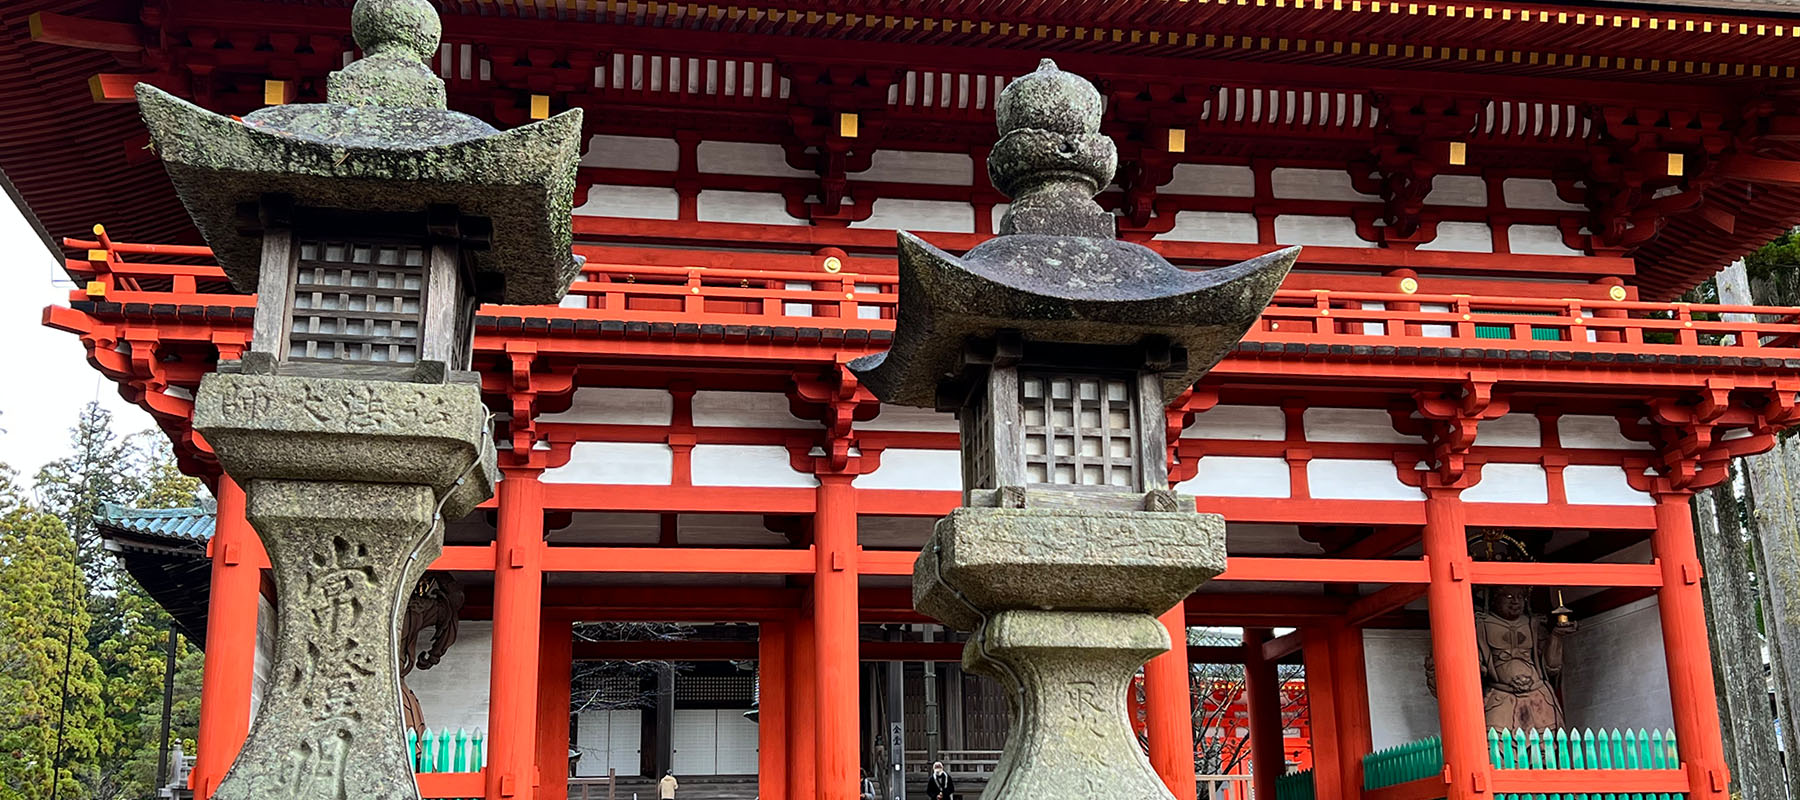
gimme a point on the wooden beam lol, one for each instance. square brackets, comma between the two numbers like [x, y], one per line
[1537, 573]
[672, 650]
[89, 34]
[1383, 601]
[1756, 169]
[1281, 647]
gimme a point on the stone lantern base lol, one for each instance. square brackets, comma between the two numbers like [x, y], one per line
[348, 484]
[1063, 605]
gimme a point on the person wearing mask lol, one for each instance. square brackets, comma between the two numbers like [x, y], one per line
[940, 787]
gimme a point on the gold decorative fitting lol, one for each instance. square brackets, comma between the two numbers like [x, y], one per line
[1177, 140]
[833, 264]
[1409, 285]
[1677, 163]
[1617, 293]
[847, 125]
[540, 106]
[1459, 154]
[275, 93]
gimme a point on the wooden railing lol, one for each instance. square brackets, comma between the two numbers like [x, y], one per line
[1571, 765]
[1296, 322]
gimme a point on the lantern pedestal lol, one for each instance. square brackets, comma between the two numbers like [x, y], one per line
[344, 482]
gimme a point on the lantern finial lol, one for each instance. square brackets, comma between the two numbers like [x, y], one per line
[1051, 158]
[396, 37]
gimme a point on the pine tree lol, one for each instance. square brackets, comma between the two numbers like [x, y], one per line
[50, 685]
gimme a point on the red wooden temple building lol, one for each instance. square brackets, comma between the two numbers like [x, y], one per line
[1500, 202]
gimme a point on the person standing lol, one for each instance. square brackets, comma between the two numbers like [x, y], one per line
[940, 787]
[665, 788]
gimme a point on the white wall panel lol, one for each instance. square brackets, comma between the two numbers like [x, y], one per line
[737, 746]
[1357, 479]
[1239, 476]
[909, 468]
[913, 166]
[636, 202]
[1320, 231]
[746, 465]
[719, 409]
[607, 405]
[1212, 226]
[628, 463]
[1401, 708]
[1538, 193]
[1252, 423]
[454, 694]
[632, 152]
[1462, 237]
[1512, 430]
[611, 739]
[695, 735]
[907, 418]
[1593, 431]
[1589, 485]
[920, 215]
[746, 158]
[1295, 183]
[1509, 483]
[1353, 425]
[757, 208]
[1211, 180]
[1614, 673]
[1538, 240]
[1458, 190]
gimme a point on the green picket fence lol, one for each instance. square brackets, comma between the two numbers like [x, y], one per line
[1535, 750]
[446, 751]
[1403, 763]
[1296, 785]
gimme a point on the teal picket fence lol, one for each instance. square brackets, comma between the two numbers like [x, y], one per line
[446, 750]
[1296, 785]
[1534, 750]
[1403, 763]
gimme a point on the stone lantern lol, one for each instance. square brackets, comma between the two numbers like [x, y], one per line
[369, 226]
[1059, 347]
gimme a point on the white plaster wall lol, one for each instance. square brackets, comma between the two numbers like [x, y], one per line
[1211, 180]
[1614, 675]
[913, 166]
[1437, 331]
[1212, 226]
[1357, 479]
[1295, 183]
[1353, 425]
[759, 208]
[632, 152]
[1458, 190]
[746, 465]
[998, 213]
[640, 202]
[264, 657]
[1320, 231]
[627, 463]
[721, 409]
[1593, 431]
[1538, 240]
[616, 406]
[1462, 237]
[1401, 708]
[1510, 483]
[1594, 485]
[745, 158]
[1538, 193]
[1252, 423]
[454, 694]
[907, 418]
[920, 215]
[1239, 476]
[907, 468]
[1512, 430]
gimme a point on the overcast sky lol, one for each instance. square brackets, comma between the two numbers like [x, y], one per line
[44, 374]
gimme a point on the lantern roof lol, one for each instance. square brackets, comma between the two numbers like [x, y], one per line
[1056, 274]
[384, 142]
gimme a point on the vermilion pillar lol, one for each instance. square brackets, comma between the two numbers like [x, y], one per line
[555, 674]
[836, 655]
[1322, 708]
[230, 665]
[1168, 709]
[1262, 695]
[1452, 614]
[1691, 694]
[802, 710]
[518, 600]
[1350, 672]
[772, 710]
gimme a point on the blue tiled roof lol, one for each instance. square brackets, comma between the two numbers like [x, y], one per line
[192, 524]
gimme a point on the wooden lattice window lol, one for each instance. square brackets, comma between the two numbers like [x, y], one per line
[1079, 430]
[357, 301]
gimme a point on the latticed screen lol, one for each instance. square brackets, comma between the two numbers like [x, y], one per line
[358, 301]
[1080, 430]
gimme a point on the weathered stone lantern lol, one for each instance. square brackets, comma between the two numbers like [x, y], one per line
[1059, 347]
[369, 226]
